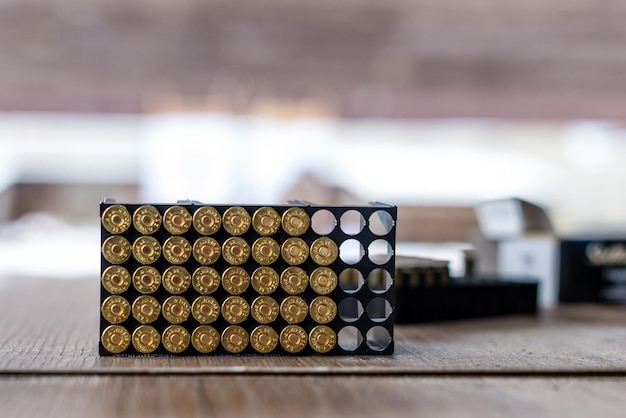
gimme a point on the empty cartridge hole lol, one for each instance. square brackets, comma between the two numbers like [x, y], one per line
[350, 309]
[349, 338]
[379, 251]
[352, 222]
[323, 222]
[378, 338]
[351, 251]
[379, 309]
[381, 222]
[379, 280]
[350, 280]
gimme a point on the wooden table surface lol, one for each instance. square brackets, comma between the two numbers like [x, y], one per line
[567, 362]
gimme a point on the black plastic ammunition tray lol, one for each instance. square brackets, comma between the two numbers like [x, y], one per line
[196, 279]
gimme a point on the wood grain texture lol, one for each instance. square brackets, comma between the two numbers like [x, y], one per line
[52, 327]
[309, 396]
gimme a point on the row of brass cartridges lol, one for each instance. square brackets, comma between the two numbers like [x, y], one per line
[205, 309]
[206, 250]
[206, 280]
[205, 339]
[206, 220]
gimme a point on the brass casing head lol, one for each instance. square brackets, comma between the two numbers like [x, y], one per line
[146, 279]
[177, 220]
[146, 339]
[265, 251]
[265, 309]
[263, 339]
[323, 309]
[205, 339]
[205, 309]
[115, 339]
[235, 251]
[175, 339]
[235, 309]
[176, 280]
[296, 221]
[116, 279]
[176, 309]
[146, 309]
[206, 280]
[323, 280]
[115, 309]
[235, 280]
[322, 339]
[206, 250]
[146, 249]
[236, 220]
[235, 339]
[116, 219]
[147, 220]
[294, 251]
[266, 221]
[293, 338]
[265, 280]
[207, 220]
[293, 309]
[294, 280]
[176, 250]
[324, 251]
[116, 249]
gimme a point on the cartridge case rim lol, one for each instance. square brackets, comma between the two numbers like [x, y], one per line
[147, 219]
[236, 220]
[235, 280]
[207, 220]
[146, 249]
[144, 315]
[146, 279]
[205, 339]
[175, 339]
[266, 221]
[323, 280]
[235, 339]
[322, 339]
[265, 280]
[323, 309]
[265, 309]
[116, 249]
[176, 250]
[294, 280]
[235, 309]
[293, 338]
[201, 314]
[264, 339]
[294, 251]
[200, 282]
[146, 339]
[294, 309]
[324, 251]
[176, 309]
[177, 220]
[116, 219]
[116, 279]
[236, 251]
[206, 250]
[176, 280]
[295, 221]
[115, 309]
[265, 251]
[115, 339]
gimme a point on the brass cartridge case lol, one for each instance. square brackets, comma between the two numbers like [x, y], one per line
[322, 339]
[116, 279]
[235, 309]
[115, 339]
[207, 220]
[295, 221]
[266, 221]
[146, 309]
[205, 309]
[205, 280]
[146, 279]
[146, 339]
[175, 339]
[147, 220]
[263, 339]
[236, 220]
[177, 220]
[265, 280]
[324, 251]
[116, 249]
[294, 280]
[265, 309]
[115, 309]
[323, 280]
[235, 251]
[176, 280]
[293, 338]
[146, 249]
[205, 339]
[176, 309]
[206, 250]
[176, 250]
[265, 251]
[294, 251]
[323, 309]
[235, 280]
[116, 219]
[235, 339]
[293, 309]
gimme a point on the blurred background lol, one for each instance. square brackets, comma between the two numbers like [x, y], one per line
[434, 106]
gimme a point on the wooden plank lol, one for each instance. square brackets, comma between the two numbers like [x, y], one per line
[309, 396]
[52, 327]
